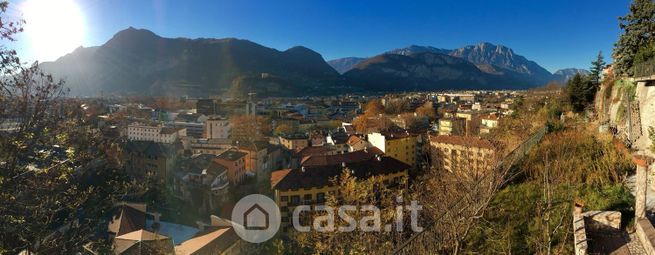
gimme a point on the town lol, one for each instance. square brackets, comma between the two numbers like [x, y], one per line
[322, 127]
[203, 155]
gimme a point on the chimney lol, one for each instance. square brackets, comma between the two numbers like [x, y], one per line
[157, 216]
[201, 225]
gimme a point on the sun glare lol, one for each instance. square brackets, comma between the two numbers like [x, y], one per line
[53, 27]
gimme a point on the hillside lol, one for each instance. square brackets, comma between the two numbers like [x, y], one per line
[424, 71]
[343, 65]
[137, 61]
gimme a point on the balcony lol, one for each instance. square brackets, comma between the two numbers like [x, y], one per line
[644, 71]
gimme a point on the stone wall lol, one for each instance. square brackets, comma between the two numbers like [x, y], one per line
[593, 221]
[646, 98]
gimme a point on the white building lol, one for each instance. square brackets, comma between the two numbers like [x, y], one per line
[217, 128]
[158, 134]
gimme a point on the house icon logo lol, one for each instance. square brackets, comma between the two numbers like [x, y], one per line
[256, 218]
[253, 217]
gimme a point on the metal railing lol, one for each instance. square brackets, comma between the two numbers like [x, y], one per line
[644, 69]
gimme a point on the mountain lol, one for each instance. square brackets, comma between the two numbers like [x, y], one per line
[425, 71]
[343, 65]
[498, 58]
[481, 66]
[563, 75]
[415, 49]
[139, 62]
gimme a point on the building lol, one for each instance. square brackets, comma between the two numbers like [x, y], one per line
[217, 128]
[206, 106]
[235, 162]
[193, 129]
[143, 242]
[294, 142]
[158, 134]
[357, 143]
[398, 145]
[309, 185]
[335, 159]
[338, 140]
[217, 238]
[488, 122]
[465, 155]
[257, 162]
[452, 126]
[202, 182]
[146, 158]
[210, 146]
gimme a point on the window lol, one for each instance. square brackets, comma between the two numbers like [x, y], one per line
[307, 197]
[320, 197]
[284, 198]
[295, 200]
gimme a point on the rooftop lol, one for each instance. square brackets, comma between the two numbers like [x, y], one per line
[231, 155]
[320, 176]
[468, 141]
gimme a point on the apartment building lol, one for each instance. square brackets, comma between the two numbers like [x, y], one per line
[158, 134]
[463, 154]
[217, 128]
[398, 145]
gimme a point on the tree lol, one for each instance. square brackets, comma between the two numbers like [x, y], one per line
[638, 31]
[597, 68]
[249, 128]
[360, 193]
[373, 108]
[426, 110]
[283, 129]
[397, 106]
[56, 185]
[580, 91]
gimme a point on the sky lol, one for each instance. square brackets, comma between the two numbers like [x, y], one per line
[554, 33]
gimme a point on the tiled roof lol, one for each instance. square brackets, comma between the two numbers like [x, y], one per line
[355, 156]
[142, 242]
[390, 135]
[320, 176]
[353, 139]
[311, 151]
[126, 219]
[232, 155]
[220, 239]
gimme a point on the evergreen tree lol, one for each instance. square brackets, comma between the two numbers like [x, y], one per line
[580, 92]
[638, 32]
[597, 68]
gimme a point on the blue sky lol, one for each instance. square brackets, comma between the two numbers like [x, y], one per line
[554, 33]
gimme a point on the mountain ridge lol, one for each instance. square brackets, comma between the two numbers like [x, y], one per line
[140, 62]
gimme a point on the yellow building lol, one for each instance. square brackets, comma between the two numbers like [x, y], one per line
[452, 126]
[463, 154]
[398, 145]
[310, 185]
